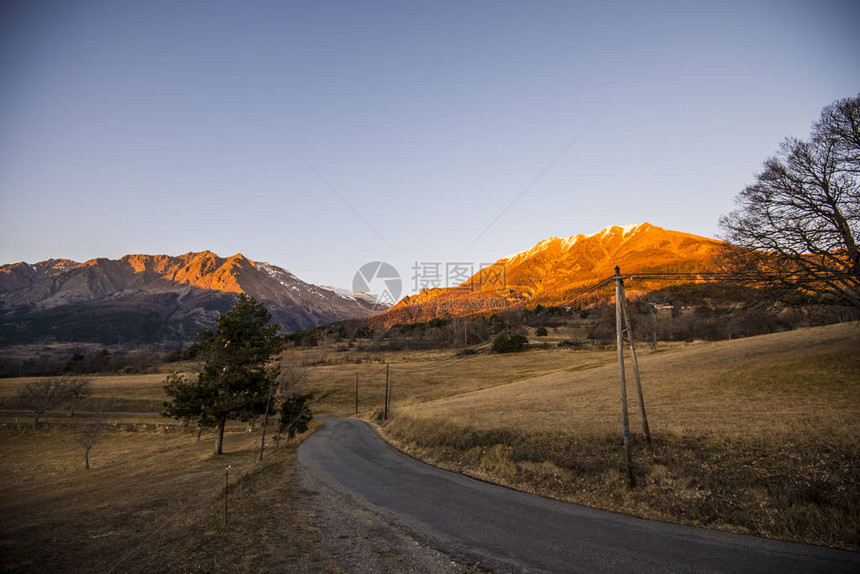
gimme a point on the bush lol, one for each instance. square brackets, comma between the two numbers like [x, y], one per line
[181, 353]
[504, 343]
[541, 332]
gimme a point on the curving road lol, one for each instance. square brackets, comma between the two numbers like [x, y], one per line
[507, 530]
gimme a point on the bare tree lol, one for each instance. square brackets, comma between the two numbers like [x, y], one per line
[653, 324]
[269, 398]
[41, 396]
[77, 390]
[289, 379]
[797, 227]
[86, 433]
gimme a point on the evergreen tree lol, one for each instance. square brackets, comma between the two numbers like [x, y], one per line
[239, 370]
[296, 413]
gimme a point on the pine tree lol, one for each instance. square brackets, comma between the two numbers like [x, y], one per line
[239, 370]
[296, 413]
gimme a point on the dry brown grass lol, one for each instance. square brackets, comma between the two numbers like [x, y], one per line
[803, 489]
[153, 502]
[751, 435]
[418, 377]
[129, 393]
[808, 378]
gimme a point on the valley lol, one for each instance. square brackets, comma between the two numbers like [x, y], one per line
[339, 287]
[750, 435]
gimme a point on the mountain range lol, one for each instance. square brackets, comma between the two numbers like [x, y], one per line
[162, 299]
[559, 269]
[156, 298]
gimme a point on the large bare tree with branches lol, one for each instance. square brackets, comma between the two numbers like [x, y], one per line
[42, 396]
[797, 228]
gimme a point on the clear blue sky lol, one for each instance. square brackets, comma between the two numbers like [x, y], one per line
[141, 127]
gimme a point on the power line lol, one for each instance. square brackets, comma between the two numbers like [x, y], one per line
[715, 276]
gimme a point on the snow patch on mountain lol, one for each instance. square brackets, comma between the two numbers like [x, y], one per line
[349, 294]
[567, 243]
[272, 270]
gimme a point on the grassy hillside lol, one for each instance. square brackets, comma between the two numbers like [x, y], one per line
[751, 435]
[759, 385]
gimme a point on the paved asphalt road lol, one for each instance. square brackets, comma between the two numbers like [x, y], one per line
[506, 530]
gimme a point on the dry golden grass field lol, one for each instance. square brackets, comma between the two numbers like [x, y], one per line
[153, 501]
[118, 393]
[783, 382]
[752, 435]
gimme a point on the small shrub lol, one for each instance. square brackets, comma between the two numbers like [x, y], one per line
[504, 343]
[496, 461]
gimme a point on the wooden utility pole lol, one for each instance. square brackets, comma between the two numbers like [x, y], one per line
[266, 420]
[356, 393]
[465, 333]
[645, 428]
[385, 402]
[625, 423]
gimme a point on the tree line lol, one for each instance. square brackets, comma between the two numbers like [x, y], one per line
[81, 362]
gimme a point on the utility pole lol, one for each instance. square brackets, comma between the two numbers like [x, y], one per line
[645, 428]
[619, 335]
[465, 333]
[356, 393]
[385, 402]
[266, 420]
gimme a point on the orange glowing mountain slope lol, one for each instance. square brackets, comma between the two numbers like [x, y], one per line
[556, 270]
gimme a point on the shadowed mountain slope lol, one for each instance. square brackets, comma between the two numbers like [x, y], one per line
[155, 298]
